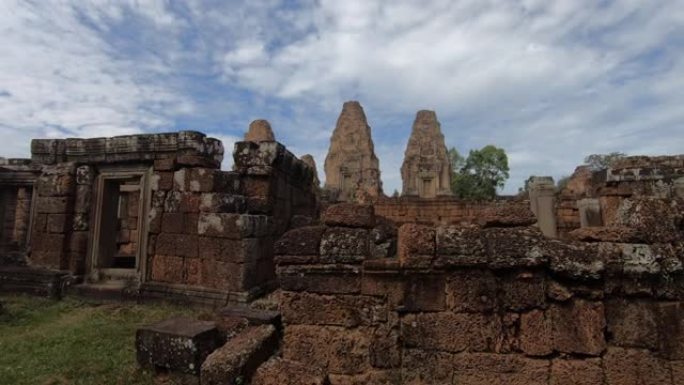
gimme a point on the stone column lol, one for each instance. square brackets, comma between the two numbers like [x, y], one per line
[543, 204]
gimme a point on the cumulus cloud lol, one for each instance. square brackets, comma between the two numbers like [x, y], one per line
[549, 81]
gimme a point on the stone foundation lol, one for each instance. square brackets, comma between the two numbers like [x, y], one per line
[472, 305]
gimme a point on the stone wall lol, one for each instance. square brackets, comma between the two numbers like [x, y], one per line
[17, 177]
[200, 233]
[634, 177]
[448, 210]
[213, 231]
[471, 305]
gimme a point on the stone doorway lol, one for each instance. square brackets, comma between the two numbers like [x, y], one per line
[15, 202]
[428, 188]
[119, 234]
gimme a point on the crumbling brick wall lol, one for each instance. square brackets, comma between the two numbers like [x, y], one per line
[448, 210]
[472, 305]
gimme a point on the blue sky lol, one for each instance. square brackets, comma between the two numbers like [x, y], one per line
[549, 81]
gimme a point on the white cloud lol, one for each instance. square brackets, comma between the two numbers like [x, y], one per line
[550, 81]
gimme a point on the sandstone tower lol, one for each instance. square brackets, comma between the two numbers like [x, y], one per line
[351, 168]
[426, 171]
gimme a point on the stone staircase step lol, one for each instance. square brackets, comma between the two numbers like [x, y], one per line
[239, 358]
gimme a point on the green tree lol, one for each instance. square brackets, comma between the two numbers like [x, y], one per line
[602, 161]
[481, 174]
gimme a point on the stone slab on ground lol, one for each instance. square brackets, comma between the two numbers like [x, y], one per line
[179, 344]
[278, 371]
[240, 357]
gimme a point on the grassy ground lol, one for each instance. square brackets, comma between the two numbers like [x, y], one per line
[44, 342]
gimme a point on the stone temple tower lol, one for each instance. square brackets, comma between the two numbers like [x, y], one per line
[426, 171]
[352, 170]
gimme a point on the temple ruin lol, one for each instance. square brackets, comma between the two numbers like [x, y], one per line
[426, 171]
[579, 286]
[351, 167]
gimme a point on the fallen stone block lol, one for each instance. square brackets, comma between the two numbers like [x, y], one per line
[239, 358]
[278, 371]
[178, 344]
[350, 215]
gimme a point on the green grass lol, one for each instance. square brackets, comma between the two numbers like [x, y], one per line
[45, 342]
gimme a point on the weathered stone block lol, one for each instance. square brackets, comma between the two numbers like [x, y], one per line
[424, 292]
[58, 223]
[324, 279]
[482, 368]
[349, 215]
[632, 323]
[172, 223]
[635, 367]
[222, 203]
[178, 344]
[471, 290]
[385, 348]
[434, 331]
[55, 184]
[460, 245]
[167, 268]
[221, 275]
[234, 226]
[233, 250]
[278, 371]
[344, 245]
[52, 205]
[78, 241]
[389, 286]
[240, 357]
[523, 290]
[300, 241]
[536, 333]
[670, 318]
[576, 372]
[334, 349]
[167, 164]
[336, 310]
[578, 327]
[190, 203]
[416, 245]
[422, 367]
[186, 245]
[172, 201]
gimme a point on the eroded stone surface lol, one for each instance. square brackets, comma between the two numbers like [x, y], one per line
[351, 167]
[260, 131]
[426, 171]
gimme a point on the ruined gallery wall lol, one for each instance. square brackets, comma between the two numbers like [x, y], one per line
[448, 210]
[607, 190]
[65, 191]
[214, 230]
[204, 232]
[17, 177]
[467, 305]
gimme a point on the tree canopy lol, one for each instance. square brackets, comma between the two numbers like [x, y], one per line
[480, 174]
[602, 161]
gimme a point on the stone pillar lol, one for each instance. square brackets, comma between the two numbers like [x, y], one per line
[590, 212]
[543, 204]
